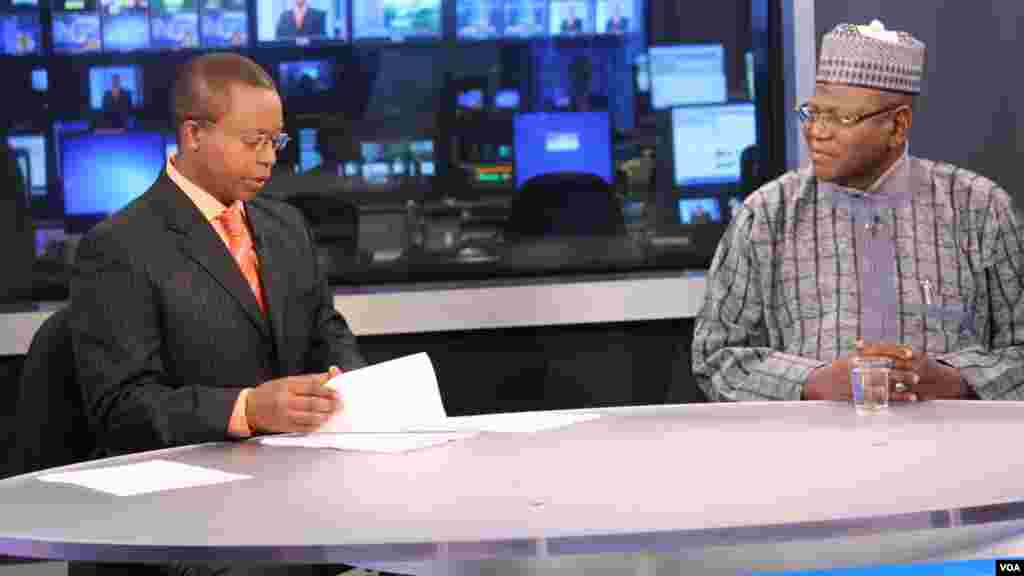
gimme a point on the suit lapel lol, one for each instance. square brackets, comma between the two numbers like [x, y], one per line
[271, 274]
[200, 242]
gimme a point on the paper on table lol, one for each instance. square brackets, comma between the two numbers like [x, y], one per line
[388, 397]
[388, 442]
[516, 422]
[143, 477]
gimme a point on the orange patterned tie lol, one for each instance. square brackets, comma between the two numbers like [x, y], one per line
[240, 244]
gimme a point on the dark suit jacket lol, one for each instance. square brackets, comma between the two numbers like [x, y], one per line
[123, 105]
[314, 24]
[613, 27]
[166, 331]
[575, 25]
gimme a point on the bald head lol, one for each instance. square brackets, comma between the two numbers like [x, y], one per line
[202, 89]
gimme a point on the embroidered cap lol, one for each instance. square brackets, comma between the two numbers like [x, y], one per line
[873, 57]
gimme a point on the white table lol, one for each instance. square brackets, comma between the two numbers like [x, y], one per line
[700, 488]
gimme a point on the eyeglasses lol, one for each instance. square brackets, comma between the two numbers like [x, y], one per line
[831, 120]
[256, 141]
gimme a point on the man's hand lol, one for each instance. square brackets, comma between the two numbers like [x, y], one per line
[921, 377]
[292, 404]
[830, 382]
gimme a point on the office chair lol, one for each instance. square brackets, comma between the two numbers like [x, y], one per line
[564, 204]
[50, 426]
[335, 226]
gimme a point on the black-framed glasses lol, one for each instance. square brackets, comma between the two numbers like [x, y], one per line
[808, 115]
[254, 140]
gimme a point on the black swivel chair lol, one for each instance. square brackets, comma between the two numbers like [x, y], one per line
[565, 204]
[50, 426]
[335, 227]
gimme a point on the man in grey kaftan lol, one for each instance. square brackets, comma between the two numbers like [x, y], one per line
[867, 247]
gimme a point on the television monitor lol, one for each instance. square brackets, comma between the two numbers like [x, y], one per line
[174, 24]
[615, 17]
[31, 151]
[507, 99]
[20, 33]
[472, 99]
[387, 163]
[104, 171]
[562, 141]
[699, 211]
[305, 77]
[309, 155]
[102, 80]
[76, 27]
[125, 25]
[224, 24]
[477, 19]
[301, 22]
[687, 74]
[396, 20]
[707, 142]
[40, 80]
[524, 18]
[570, 18]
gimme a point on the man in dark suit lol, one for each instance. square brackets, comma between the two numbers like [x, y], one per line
[571, 24]
[302, 21]
[198, 312]
[117, 104]
[617, 23]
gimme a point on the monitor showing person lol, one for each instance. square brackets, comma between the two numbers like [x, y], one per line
[301, 21]
[117, 104]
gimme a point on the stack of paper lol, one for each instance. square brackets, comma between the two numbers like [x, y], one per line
[396, 406]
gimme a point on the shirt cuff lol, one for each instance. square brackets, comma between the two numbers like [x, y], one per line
[238, 426]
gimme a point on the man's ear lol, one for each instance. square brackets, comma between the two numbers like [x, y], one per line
[902, 121]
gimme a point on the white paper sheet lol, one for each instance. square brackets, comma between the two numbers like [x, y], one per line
[516, 422]
[143, 478]
[386, 442]
[388, 397]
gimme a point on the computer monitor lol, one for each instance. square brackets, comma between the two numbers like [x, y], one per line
[562, 142]
[687, 74]
[507, 99]
[31, 151]
[524, 18]
[301, 22]
[101, 85]
[309, 155]
[472, 99]
[174, 24]
[224, 23]
[76, 27]
[700, 210]
[125, 25]
[20, 30]
[477, 19]
[104, 171]
[40, 80]
[389, 163]
[396, 20]
[305, 78]
[707, 142]
[570, 18]
[615, 17]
